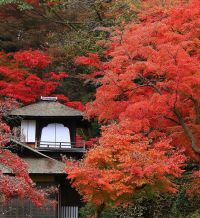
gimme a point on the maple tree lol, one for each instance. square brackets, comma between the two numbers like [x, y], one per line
[148, 103]
[19, 83]
[24, 77]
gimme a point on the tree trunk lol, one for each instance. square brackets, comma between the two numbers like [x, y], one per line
[99, 210]
[187, 131]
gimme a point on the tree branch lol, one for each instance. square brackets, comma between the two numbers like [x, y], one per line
[187, 130]
[65, 23]
[171, 119]
[149, 83]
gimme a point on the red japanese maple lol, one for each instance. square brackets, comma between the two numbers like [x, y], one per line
[149, 102]
[19, 82]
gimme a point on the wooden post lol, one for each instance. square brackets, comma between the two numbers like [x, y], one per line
[36, 143]
[84, 145]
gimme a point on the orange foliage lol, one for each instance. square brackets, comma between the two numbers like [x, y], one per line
[152, 73]
[148, 102]
[122, 166]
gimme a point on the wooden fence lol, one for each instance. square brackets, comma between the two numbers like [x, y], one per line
[69, 212]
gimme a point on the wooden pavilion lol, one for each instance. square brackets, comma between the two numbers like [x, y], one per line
[43, 133]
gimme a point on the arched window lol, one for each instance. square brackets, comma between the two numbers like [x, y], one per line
[55, 135]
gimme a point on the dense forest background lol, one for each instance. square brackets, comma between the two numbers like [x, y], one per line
[65, 30]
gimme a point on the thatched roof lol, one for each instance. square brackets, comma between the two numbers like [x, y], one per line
[44, 166]
[39, 166]
[47, 109]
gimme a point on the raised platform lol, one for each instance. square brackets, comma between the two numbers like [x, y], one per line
[54, 149]
[60, 146]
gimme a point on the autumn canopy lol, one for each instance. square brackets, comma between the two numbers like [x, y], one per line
[148, 102]
[140, 77]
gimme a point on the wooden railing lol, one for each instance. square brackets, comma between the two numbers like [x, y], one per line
[60, 145]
